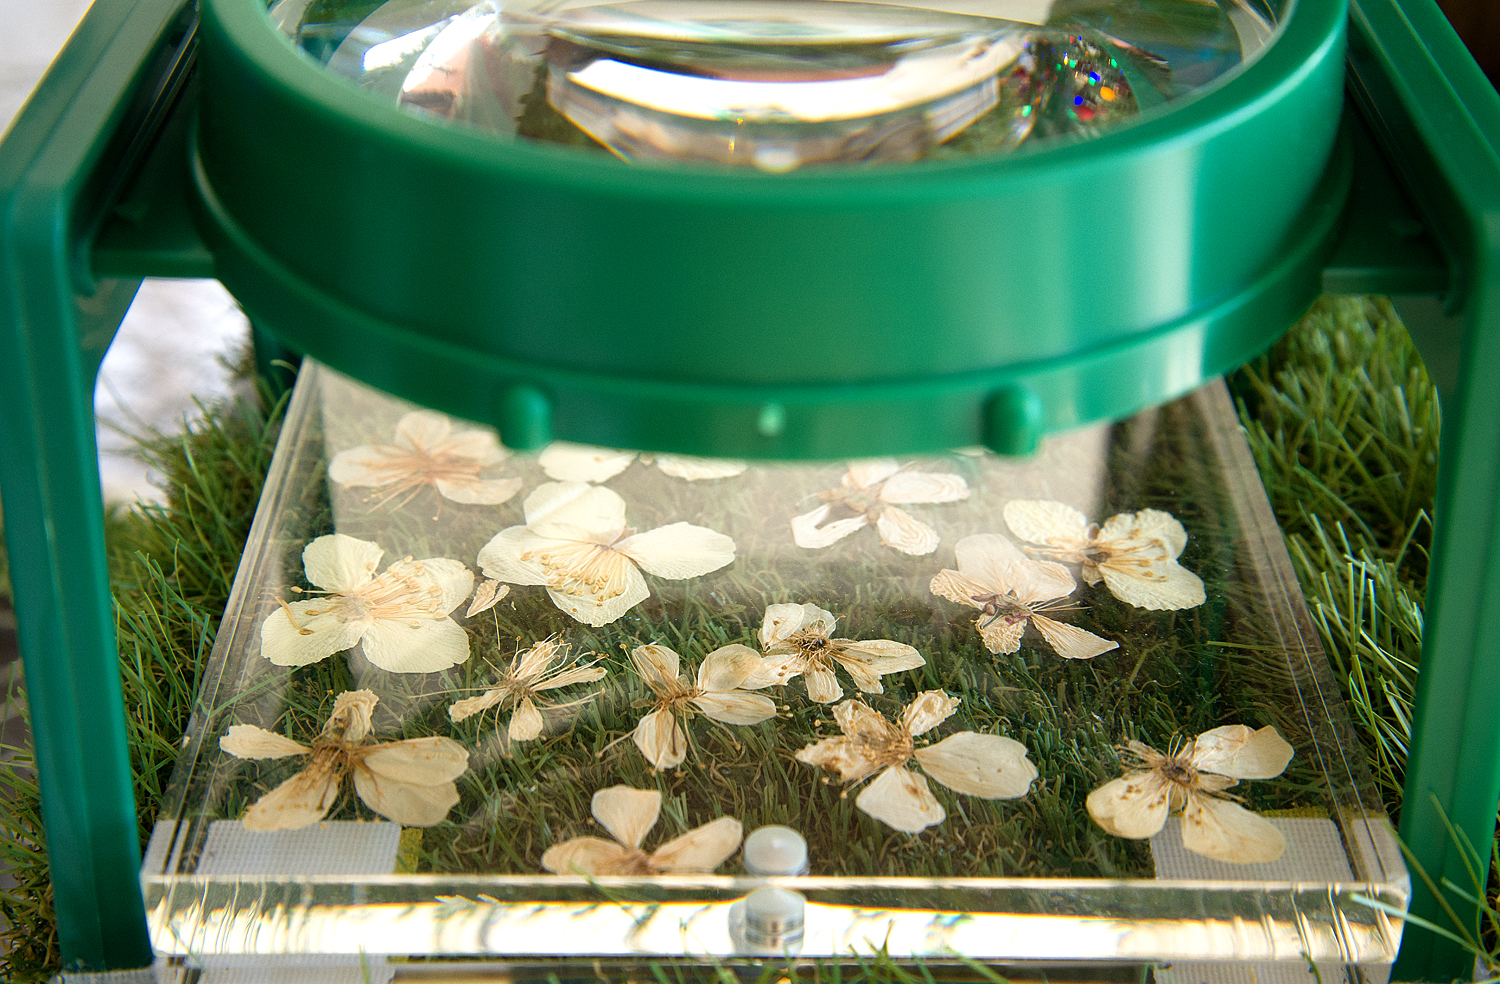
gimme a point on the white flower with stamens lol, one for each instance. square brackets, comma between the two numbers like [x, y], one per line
[1191, 780]
[427, 451]
[567, 462]
[716, 694]
[400, 616]
[987, 766]
[575, 542]
[530, 673]
[629, 814]
[410, 782]
[1134, 554]
[1012, 592]
[797, 640]
[873, 490]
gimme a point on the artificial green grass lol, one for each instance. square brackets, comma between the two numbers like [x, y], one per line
[1342, 398]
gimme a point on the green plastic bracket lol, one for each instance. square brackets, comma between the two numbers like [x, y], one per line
[1437, 120]
[78, 140]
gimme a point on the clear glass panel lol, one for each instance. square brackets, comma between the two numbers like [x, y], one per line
[580, 678]
[781, 84]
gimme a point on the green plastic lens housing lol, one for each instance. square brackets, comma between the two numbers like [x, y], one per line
[804, 315]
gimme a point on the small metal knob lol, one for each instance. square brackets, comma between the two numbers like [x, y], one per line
[775, 850]
[771, 919]
[774, 919]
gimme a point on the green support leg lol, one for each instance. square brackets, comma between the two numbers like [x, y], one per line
[63, 161]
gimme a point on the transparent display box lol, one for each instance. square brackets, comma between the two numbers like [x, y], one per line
[1063, 708]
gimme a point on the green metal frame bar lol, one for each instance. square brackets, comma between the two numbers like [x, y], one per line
[66, 155]
[1438, 120]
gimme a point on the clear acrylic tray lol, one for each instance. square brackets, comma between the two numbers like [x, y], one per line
[974, 685]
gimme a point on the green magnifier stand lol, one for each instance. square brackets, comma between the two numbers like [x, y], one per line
[815, 314]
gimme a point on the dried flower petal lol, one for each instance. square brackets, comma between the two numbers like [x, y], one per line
[798, 641]
[1192, 780]
[629, 814]
[427, 452]
[715, 695]
[487, 596]
[530, 674]
[566, 462]
[872, 490]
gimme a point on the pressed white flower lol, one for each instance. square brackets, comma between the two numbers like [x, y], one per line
[530, 673]
[797, 640]
[1012, 592]
[716, 694]
[987, 766]
[1191, 780]
[400, 615]
[486, 596]
[575, 542]
[567, 462]
[873, 491]
[1134, 554]
[629, 814]
[427, 451]
[410, 782]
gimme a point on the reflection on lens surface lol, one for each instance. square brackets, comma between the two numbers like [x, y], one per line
[780, 84]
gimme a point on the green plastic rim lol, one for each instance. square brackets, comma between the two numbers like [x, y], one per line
[808, 315]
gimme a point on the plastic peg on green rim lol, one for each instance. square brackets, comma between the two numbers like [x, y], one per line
[1013, 420]
[772, 420]
[525, 417]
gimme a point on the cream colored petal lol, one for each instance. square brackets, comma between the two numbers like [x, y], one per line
[504, 557]
[352, 715]
[660, 739]
[468, 707]
[452, 578]
[1035, 581]
[482, 446]
[415, 645]
[340, 563]
[1070, 641]
[806, 532]
[1147, 526]
[701, 849]
[301, 638]
[678, 551]
[1226, 831]
[991, 766]
[736, 707]
[870, 659]
[568, 462]
[423, 761]
[727, 667]
[597, 610]
[822, 684]
[486, 596]
[774, 671]
[1237, 751]
[423, 430]
[930, 709]
[362, 465]
[851, 760]
[856, 718]
[697, 469]
[526, 722]
[303, 799]
[987, 558]
[911, 487]
[478, 491]
[409, 804]
[1001, 635]
[574, 510]
[957, 587]
[532, 664]
[1133, 806]
[900, 798]
[781, 622]
[627, 813]
[863, 474]
[1044, 521]
[584, 856]
[572, 675]
[246, 741]
[1165, 586]
[902, 531]
[658, 666]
